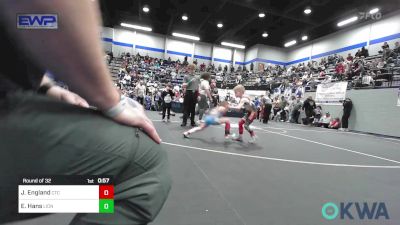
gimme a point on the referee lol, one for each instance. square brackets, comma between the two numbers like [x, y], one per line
[191, 84]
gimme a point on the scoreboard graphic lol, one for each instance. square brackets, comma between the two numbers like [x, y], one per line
[66, 194]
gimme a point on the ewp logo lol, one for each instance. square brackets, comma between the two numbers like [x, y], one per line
[377, 210]
[37, 21]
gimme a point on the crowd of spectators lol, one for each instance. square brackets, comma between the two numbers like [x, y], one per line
[288, 109]
[358, 70]
[145, 78]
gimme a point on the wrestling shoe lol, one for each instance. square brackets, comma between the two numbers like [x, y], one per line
[228, 137]
[163, 120]
[253, 139]
[240, 139]
[186, 134]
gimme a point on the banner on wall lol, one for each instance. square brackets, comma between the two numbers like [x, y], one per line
[331, 93]
[251, 93]
[398, 97]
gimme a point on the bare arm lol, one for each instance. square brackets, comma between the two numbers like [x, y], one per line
[73, 52]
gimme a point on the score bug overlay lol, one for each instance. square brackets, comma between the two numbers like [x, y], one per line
[66, 194]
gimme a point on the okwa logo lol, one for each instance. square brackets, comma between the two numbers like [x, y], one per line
[355, 210]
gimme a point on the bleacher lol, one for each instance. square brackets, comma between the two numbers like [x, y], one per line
[273, 77]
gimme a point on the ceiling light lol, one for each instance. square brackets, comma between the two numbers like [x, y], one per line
[347, 21]
[261, 15]
[186, 36]
[146, 9]
[185, 17]
[373, 11]
[233, 45]
[220, 25]
[137, 27]
[265, 34]
[304, 37]
[290, 43]
[307, 11]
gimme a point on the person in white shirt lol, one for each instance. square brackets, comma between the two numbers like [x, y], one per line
[327, 79]
[140, 92]
[127, 79]
[204, 94]
[325, 120]
[267, 107]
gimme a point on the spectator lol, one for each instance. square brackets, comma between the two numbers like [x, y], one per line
[358, 53]
[167, 97]
[204, 94]
[158, 100]
[276, 107]
[257, 104]
[267, 108]
[347, 107]
[339, 70]
[349, 57]
[334, 124]
[308, 107]
[282, 105]
[317, 114]
[296, 111]
[391, 56]
[214, 93]
[359, 68]
[321, 73]
[292, 102]
[140, 90]
[385, 50]
[396, 48]
[385, 45]
[364, 52]
[381, 64]
[325, 120]
[203, 67]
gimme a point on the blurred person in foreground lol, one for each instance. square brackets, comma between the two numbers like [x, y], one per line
[45, 129]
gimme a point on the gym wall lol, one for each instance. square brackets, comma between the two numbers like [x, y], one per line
[374, 111]
[120, 40]
[370, 34]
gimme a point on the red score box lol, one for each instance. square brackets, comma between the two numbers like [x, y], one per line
[106, 192]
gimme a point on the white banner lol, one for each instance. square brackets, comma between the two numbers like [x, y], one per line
[331, 93]
[251, 93]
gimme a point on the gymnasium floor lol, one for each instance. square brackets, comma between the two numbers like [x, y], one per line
[282, 179]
